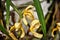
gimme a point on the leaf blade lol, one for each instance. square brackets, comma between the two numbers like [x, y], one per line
[40, 16]
[7, 11]
[3, 30]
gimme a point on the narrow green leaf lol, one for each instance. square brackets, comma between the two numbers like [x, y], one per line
[7, 11]
[3, 30]
[40, 16]
[15, 8]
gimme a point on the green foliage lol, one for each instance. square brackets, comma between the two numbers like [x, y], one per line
[7, 11]
[40, 16]
[3, 30]
[15, 8]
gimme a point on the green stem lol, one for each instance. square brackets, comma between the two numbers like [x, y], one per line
[49, 12]
[53, 21]
[40, 16]
[15, 8]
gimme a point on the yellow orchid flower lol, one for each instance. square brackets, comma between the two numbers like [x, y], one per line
[28, 13]
[55, 29]
[34, 26]
[16, 27]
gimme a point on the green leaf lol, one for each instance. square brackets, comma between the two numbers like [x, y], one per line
[40, 16]
[18, 11]
[7, 11]
[3, 30]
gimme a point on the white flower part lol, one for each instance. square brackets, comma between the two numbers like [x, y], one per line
[53, 31]
[24, 21]
[17, 26]
[30, 6]
[38, 35]
[12, 36]
[34, 26]
[58, 24]
[27, 13]
[23, 33]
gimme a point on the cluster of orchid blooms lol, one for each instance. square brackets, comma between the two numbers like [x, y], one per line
[34, 25]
